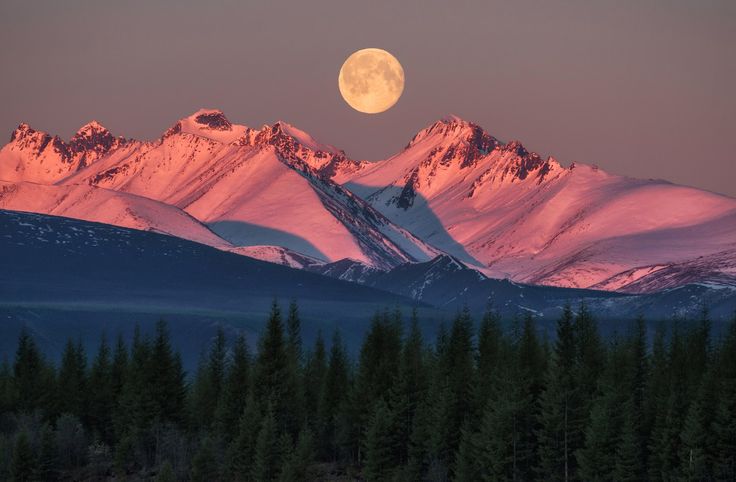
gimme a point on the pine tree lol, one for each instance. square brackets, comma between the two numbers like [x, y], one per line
[242, 449]
[489, 336]
[456, 373]
[270, 374]
[380, 458]
[530, 362]
[235, 391]
[165, 379]
[467, 463]
[505, 442]
[378, 366]
[315, 370]
[589, 364]
[28, 372]
[293, 330]
[166, 473]
[72, 381]
[296, 466]
[266, 457]
[135, 406]
[101, 396]
[119, 367]
[418, 451]
[7, 388]
[204, 465]
[693, 455]
[23, 465]
[216, 367]
[208, 383]
[723, 426]
[558, 403]
[408, 390]
[293, 389]
[597, 458]
[628, 465]
[665, 441]
[332, 401]
[48, 457]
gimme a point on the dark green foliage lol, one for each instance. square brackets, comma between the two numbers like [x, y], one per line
[408, 391]
[723, 426]
[451, 392]
[558, 404]
[628, 464]
[48, 457]
[380, 456]
[266, 460]
[166, 473]
[293, 387]
[296, 465]
[208, 385]
[204, 466]
[597, 458]
[102, 398]
[315, 370]
[72, 380]
[331, 399]
[271, 369]
[481, 404]
[242, 449]
[29, 371]
[489, 345]
[235, 390]
[7, 388]
[23, 466]
[72, 441]
[165, 379]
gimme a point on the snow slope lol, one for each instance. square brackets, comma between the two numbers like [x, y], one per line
[511, 213]
[251, 187]
[279, 194]
[91, 203]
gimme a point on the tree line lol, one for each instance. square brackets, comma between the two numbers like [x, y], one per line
[477, 403]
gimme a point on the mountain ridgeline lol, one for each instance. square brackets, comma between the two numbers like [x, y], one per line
[278, 194]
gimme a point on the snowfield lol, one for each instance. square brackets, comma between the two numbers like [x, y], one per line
[277, 194]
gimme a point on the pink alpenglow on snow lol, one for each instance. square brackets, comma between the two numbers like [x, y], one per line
[278, 194]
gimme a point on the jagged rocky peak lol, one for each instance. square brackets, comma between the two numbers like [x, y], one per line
[21, 131]
[453, 128]
[26, 138]
[90, 129]
[93, 136]
[213, 119]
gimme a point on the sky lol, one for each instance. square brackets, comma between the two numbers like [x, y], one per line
[640, 88]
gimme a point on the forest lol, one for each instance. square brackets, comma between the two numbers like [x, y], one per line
[488, 399]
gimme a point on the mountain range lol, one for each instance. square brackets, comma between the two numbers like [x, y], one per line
[454, 191]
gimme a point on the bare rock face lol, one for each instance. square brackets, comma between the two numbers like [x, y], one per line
[214, 120]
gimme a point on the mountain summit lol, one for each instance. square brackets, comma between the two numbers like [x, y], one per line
[278, 193]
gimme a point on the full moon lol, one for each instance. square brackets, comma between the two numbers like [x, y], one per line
[371, 81]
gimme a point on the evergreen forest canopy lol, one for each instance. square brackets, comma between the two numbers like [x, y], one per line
[485, 404]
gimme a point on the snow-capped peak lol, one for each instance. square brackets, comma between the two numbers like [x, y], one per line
[293, 144]
[211, 119]
[453, 119]
[208, 123]
[91, 128]
[452, 128]
[301, 137]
